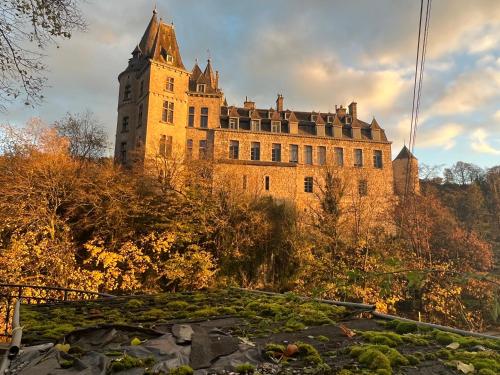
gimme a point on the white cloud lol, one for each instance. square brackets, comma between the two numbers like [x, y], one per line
[496, 116]
[480, 143]
[470, 91]
[443, 136]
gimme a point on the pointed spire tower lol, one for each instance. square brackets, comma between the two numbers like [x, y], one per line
[405, 171]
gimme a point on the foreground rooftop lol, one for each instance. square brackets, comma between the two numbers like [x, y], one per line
[234, 331]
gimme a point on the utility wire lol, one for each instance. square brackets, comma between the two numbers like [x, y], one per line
[417, 90]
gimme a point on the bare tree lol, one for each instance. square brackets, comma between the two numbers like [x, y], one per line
[84, 133]
[27, 27]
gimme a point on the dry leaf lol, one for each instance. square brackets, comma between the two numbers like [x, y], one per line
[465, 368]
[453, 345]
[346, 331]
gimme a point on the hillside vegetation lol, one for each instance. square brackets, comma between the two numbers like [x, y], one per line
[70, 220]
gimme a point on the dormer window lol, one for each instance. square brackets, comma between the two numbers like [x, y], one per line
[276, 126]
[329, 119]
[269, 114]
[201, 87]
[255, 125]
[287, 115]
[348, 120]
[167, 56]
[313, 117]
[233, 123]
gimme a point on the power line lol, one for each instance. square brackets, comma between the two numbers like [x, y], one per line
[417, 88]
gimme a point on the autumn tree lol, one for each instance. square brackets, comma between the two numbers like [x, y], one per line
[27, 28]
[84, 133]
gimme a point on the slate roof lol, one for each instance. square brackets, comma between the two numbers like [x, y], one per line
[306, 126]
[158, 41]
[405, 154]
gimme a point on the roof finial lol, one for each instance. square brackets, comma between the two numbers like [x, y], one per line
[155, 10]
[208, 53]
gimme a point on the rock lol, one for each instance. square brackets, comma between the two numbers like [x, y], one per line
[206, 347]
[183, 333]
[478, 348]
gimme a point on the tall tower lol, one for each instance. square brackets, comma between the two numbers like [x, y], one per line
[405, 164]
[152, 104]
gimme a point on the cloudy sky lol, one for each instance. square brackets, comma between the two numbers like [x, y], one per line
[318, 53]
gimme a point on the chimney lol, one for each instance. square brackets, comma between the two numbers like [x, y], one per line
[279, 103]
[248, 104]
[340, 111]
[353, 110]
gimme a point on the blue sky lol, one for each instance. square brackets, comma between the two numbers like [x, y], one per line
[316, 53]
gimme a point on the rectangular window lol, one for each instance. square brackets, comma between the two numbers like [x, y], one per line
[308, 184]
[191, 117]
[123, 152]
[377, 159]
[329, 119]
[204, 117]
[339, 156]
[362, 188]
[294, 153]
[203, 149]
[308, 155]
[233, 123]
[127, 92]
[255, 151]
[168, 112]
[139, 117]
[201, 87]
[170, 84]
[276, 152]
[234, 149]
[358, 157]
[267, 183]
[165, 146]
[189, 149]
[255, 125]
[276, 126]
[125, 124]
[321, 155]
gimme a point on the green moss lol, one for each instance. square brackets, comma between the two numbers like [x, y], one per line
[294, 325]
[206, 311]
[310, 315]
[384, 338]
[59, 330]
[485, 371]
[182, 370]
[406, 327]
[430, 356]
[134, 303]
[66, 363]
[245, 368]
[153, 314]
[412, 359]
[378, 356]
[416, 339]
[274, 351]
[128, 362]
[308, 353]
[374, 360]
[322, 338]
[177, 305]
[383, 371]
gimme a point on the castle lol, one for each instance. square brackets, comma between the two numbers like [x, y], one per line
[165, 110]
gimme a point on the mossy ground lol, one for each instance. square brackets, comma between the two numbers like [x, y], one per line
[377, 348]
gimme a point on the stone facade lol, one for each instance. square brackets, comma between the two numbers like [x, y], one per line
[165, 110]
